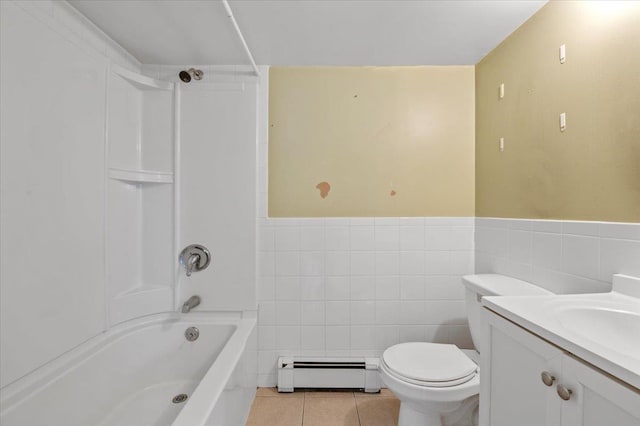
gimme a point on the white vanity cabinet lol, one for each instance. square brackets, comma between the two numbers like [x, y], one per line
[514, 391]
[597, 399]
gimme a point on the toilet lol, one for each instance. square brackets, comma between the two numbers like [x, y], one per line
[438, 384]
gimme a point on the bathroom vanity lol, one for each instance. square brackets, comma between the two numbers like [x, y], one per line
[562, 360]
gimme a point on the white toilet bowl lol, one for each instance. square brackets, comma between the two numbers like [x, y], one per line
[437, 384]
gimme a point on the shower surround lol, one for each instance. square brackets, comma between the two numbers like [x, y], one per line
[106, 181]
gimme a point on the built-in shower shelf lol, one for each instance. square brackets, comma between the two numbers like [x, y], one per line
[140, 176]
[141, 82]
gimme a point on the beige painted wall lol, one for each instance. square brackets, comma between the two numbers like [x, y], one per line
[592, 170]
[392, 141]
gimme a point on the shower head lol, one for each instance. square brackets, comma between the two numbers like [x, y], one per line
[186, 76]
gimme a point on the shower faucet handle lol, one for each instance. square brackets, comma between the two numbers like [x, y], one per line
[194, 258]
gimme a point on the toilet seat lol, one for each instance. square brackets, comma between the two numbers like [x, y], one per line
[429, 364]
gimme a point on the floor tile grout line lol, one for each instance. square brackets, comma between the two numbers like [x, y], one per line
[355, 402]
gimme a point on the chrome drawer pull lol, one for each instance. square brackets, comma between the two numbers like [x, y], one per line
[547, 378]
[564, 393]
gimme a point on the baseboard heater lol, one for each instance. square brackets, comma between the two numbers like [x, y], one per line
[328, 373]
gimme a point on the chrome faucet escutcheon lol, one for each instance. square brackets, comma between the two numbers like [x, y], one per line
[194, 258]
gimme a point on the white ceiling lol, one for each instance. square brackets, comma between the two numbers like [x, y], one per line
[306, 32]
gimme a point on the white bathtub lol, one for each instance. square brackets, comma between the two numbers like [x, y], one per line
[129, 376]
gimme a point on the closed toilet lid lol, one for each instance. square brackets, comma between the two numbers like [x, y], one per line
[430, 364]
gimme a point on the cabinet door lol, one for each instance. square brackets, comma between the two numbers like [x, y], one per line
[516, 394]
[596, 399]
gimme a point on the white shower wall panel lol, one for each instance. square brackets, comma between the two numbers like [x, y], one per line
[157, 131]
[217, 191]
[52, 209]
[125, 105]
[123, 264]
[158, 262]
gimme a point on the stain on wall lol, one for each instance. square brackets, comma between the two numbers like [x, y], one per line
[361, 128]
[589, 171]
[324, 189]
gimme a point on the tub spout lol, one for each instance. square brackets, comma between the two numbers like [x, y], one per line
[191, 303]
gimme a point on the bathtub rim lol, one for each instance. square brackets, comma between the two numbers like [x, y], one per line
[15, 392]
[206, 395]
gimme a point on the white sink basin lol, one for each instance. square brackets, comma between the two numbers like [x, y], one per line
[619, 329]
[602, 329]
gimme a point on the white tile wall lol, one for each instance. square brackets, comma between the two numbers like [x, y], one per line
[563, 256]
[355, 286]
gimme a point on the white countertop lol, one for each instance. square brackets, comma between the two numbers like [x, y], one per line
[603, 329]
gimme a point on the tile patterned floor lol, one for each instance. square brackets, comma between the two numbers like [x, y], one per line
[323, 408]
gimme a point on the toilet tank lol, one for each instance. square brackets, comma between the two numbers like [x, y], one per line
[480, 285]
